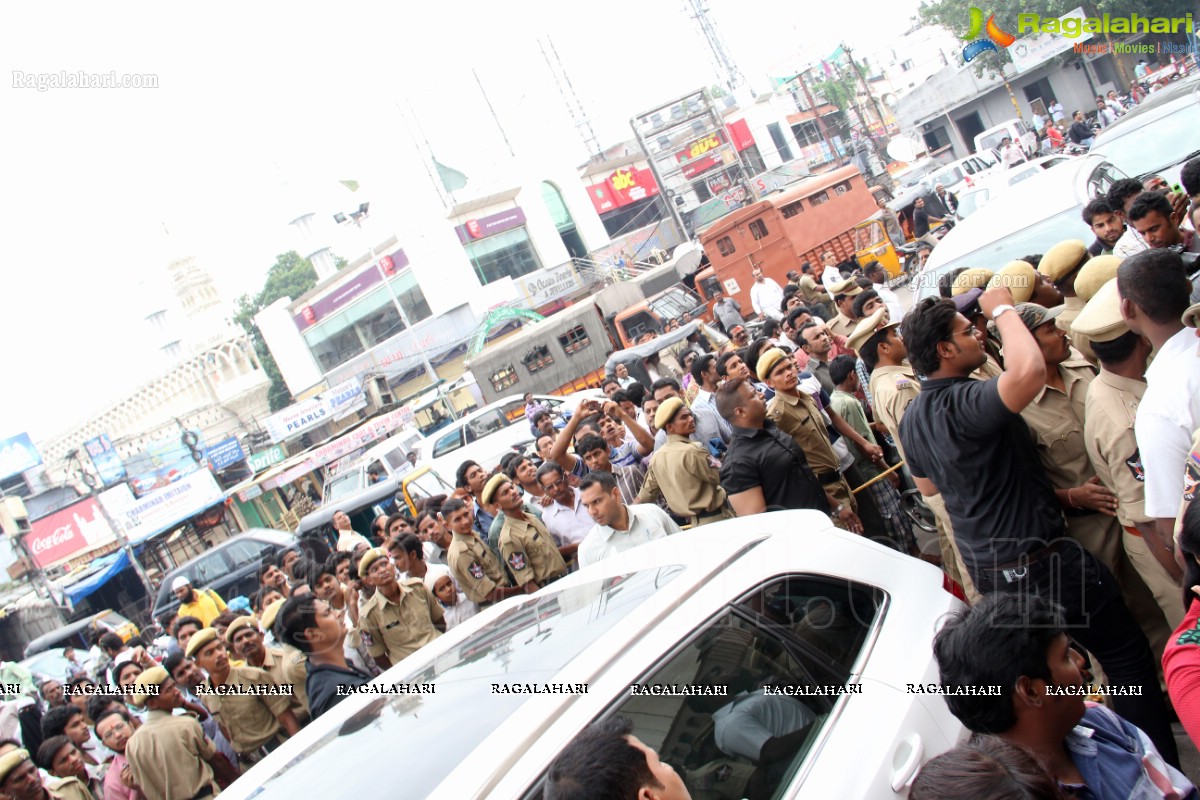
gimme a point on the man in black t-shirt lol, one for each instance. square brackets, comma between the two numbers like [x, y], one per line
[921, 218]
[966, 439]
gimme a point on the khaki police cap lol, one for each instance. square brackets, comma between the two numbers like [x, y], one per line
[1064, 258]
[1094, 274]
[1019, 277]
[1191, 317]
[269, 614]
[1100, 320]
[10, 761]
[666, 412]
[492, 486]
[243, 621]
[868, 327]
[847, 288]
[768, 360]
[974, 278]
[199, 639]
[369, 558]
[152, 677]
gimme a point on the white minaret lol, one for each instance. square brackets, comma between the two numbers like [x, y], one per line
[201, 303]
[320, 255]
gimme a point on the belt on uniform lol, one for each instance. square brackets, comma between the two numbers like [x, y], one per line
[1034, 557]
[1079, 512]
[207, 791]
[827, 478]
[721, 512]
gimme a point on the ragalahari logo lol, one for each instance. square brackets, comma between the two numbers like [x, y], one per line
[995, 36]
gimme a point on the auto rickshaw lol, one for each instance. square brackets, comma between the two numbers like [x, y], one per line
[872, 243]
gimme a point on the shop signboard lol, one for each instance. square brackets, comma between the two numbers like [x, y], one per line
[17, 454]
[144, 517]
[331, 404]
[225, 453]
[378, 428]
[266, 458]
[68, 532]
[547, 285]
[490, 225]
[350, 290]
[1033, 51]
[105, 459]
[165, 462]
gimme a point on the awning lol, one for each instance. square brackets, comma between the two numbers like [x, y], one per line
[105, 568]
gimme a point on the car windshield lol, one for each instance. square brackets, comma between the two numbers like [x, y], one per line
[1137, 149]
[971, 202]
[531, 642]
[918, 173]
[343, 486]
[992, 140]
[1037, 238]
[949, 176]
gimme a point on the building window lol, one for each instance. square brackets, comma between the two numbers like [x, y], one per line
[792, 209]
[906, 65]
[758, 229]
[574, 340]
[819, 198]
[842, 188]
[503, 378]
[367, 322]
[538, 358]
[725, 246]
[506, 254]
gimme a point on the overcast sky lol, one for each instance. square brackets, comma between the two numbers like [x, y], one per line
[262, 107]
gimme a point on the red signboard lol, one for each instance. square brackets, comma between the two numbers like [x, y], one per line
[739, 134]
[700, 147]
[68, 532]
[624, 186]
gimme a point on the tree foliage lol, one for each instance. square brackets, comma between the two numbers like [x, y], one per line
[840, 91]
[290, 276]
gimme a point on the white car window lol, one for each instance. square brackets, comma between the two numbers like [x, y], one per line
[448, 442]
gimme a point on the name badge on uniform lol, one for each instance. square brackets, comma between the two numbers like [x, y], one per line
[1134, 462]
[475, 570]
[517, 561]
[391, 625]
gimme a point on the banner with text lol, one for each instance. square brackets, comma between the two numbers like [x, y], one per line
[144, 517]
[68, 532]
[331, 404]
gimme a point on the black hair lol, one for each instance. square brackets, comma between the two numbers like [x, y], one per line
[599, 762]
[111, 641]
[411, 545]
[172, 662]
[404, 515]
[297, 615]
[729, 397]
[265, 566]
[994, 643]
[752, 351]
[770, 328]
[539, 416]
[607, 380]
[863, 282]
[460, 475]
[55, 721]
[1189, 545]
[79, 680]
[1155, 281]
[796, 313]
[604, 480]
[663, 383]
[1147, 202]
[514, 464]
[723, 361]
[1115, 350]
[841, 368]
[315, 569]
[636, 393]
[985, 768]
[49, 748]
[620, 396]
[701, 365]
[181, 621]
[862, 299]
[261, 594]
[1096, 207]
[452, 505]
[550, 468]
[105, 712]
[946, 282]
[1190, 177]
[1122, 190]
[589, 443]
[868, 351]
[800, 340]
[924, 328]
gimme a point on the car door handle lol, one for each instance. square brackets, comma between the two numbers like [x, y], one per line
[909, 753]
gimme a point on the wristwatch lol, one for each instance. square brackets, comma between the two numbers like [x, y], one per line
[837, 510]
[1000, 310]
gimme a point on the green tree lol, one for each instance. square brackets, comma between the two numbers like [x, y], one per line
[290, 276]
[840, 91]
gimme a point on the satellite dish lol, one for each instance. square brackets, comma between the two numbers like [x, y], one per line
[904, 149]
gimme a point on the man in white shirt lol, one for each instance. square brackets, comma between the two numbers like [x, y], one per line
[1154, 293]
[877, 275]
[618, 526]
[565, 517]
[765, 295]
[348, 538]
[1010, 153]
[830, 274]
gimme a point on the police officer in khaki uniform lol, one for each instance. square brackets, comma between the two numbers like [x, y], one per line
[169, 755]
[1056, 421]
[255, 723]
[1098, 271]
[1061, 264]
[525, 545]
[401, 617]
[682, 472]
[844, 293]
[1112, 401]
[246, 641]
[475, 567]
[20, 780]
[795, 413]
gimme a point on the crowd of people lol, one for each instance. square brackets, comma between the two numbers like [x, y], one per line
[1044, 411]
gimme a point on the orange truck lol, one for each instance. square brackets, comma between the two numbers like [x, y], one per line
[783, 230]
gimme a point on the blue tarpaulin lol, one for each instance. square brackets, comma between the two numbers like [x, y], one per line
[106, 567]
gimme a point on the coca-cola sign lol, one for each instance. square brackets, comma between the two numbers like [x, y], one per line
[69, 532]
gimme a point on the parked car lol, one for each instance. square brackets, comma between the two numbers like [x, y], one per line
[997, 181]
[52, 664]
[78, 634]
[1158, 136]
[735, 605]
[230, 568]
[1025, 219]
[963, 174]
[1012, 129]
[398, 490]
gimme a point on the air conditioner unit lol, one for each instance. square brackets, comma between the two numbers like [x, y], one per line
[379, 393]
[14, 519]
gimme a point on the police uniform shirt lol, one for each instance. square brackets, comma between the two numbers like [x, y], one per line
[169, 756]
[1111, 407]
[475, 567]
[797, 415]
[1072, 306]
[69, 789]
[529, 551]
[892, 389]
[683, 473]
[811, 291]
[288, 670]
[841, 325]
[251, 719]
[398, 629]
